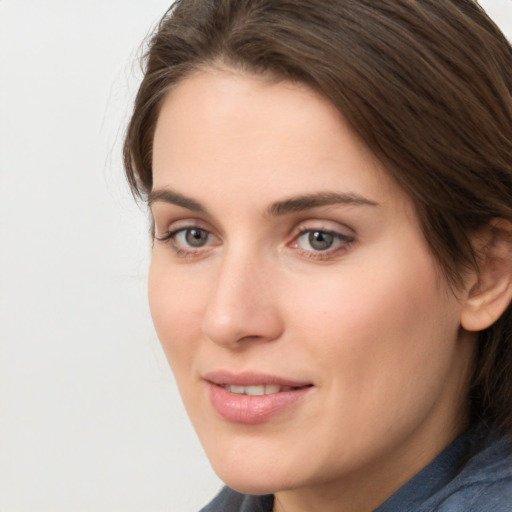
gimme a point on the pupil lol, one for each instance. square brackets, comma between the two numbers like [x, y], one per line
[196, 237]
[320, 240]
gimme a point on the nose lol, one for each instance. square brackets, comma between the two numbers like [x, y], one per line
[242, 305]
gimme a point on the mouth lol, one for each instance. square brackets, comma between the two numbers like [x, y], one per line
[250, 398]
[260, 390]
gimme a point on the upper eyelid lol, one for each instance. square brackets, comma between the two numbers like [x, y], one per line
[327, 231]
[165, 214]
[331, 226]
[184, 223]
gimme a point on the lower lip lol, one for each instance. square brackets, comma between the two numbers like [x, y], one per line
[252, 410]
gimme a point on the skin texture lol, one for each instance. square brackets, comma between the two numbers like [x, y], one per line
[370, 322]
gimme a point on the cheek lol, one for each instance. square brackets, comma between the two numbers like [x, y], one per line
[176, 309]
[383, 345]
[383, 321]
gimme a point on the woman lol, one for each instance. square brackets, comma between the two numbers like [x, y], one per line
[330, 185]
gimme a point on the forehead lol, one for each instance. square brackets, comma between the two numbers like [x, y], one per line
[229, 132]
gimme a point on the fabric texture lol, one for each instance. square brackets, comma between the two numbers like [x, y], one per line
[452, 482]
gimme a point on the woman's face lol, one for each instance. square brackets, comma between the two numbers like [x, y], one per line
[311, 334]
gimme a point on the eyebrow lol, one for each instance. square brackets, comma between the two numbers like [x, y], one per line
[309, 201]
[291, 205]
[170, 196]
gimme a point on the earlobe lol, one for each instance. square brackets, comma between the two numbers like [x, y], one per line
[491, 292]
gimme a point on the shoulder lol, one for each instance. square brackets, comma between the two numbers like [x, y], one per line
[483, 485]
[477, 497]
[229, 500]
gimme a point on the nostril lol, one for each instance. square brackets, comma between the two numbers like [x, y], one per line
[250, 338]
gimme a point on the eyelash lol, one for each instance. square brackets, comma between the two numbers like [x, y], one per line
[344, 243]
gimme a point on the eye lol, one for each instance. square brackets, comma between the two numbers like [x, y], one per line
[317, 240]
[189, 241]
[192, 237]
[322, 241]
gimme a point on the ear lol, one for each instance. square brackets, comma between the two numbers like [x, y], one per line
[490, 292]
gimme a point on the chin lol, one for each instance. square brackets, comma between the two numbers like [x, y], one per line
[247, 482]
[256, 471]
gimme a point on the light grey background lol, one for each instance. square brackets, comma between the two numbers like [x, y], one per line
[90, 417]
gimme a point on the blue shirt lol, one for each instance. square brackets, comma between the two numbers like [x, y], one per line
[452, 482]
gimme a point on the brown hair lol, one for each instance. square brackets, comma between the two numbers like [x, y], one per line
[427, 84]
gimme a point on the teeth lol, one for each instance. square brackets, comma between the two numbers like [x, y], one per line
[269, 389]
[255, 390]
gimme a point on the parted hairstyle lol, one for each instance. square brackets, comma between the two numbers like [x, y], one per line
[427, 84]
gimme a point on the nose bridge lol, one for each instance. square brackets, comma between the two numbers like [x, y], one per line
[242, 304]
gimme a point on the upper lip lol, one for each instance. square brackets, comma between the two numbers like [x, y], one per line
[249, 378]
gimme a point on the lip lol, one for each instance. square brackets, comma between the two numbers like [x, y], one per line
[252, 410]
[223, 377]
